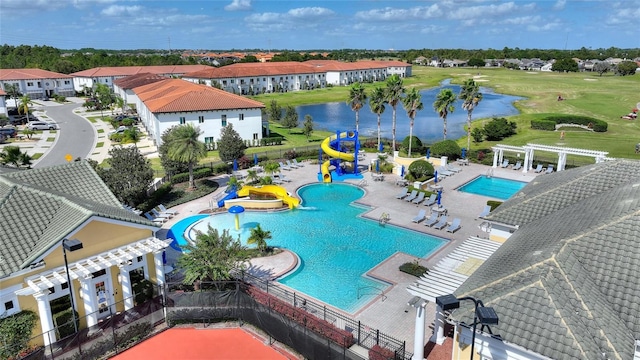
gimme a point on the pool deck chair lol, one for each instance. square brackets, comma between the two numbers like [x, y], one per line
[549, 169]
[485, 211]
[284, 167]
[158, 221]
[455, 226]
[298, 164]
[442, 223]
[292, 165]
[453, 169]
[442, 171]
[517, 166]
[431, 200]
[421, 215]
[432, 220]
[158, 214]
[163, 209]
[538, 168]
[412, 196]
[505, 164]
[419, 199]
[404, 193]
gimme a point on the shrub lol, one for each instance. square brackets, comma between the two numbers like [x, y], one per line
[197, 174]
[378, 352]
[494, 204]
[543, 125]
[595, 124]
[290, 154]
[477, 134]
[499, 128]
[15, 332]
[271, 141]
[222, 168]
[420, 170]
[143, 291]
[416, 144]
[413, 268]
[116, 137]
[64, 323]
[448, 148]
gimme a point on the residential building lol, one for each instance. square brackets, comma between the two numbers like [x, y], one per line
[123, 87]
[37, 83]
[254, 78]
[3, 102]
[45, 209]
[565, 283]
[107, 75]
[171, 102]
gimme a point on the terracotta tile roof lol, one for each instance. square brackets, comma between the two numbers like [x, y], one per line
[137, 80]
[28, 74]
[132, 70]
[176, 95]
[332, 65]
[2, 93]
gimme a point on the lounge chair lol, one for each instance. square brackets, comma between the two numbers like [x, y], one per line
[442, 223]
[404, 193]
[158, 214]
[431, 200]
[432, 220]
[517, 166]
[421, 216]
[453, 169]
[165, 210]
[291, 165]
[412, 196]
[538, 169]
[505, 164]
[154, 219]
[419, 199]
[298, 164]
[442, 171]
[549, 169]
[485, 211]
[284, 178]
[455, 226]
[284, 167]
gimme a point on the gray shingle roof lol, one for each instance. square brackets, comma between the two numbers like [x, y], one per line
[39, 207]
[567, 283]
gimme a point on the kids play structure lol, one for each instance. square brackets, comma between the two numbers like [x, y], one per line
[276, 191]
[334, 147]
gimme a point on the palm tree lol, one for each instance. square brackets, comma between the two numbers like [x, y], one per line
[259, 237]
[357, 98]
[185, 147]
[394, 93]
[252, 176]
[23, 106]
[471, 96]
[376, 102]
[412, 103]
[444, 105]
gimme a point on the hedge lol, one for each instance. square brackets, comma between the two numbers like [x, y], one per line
[594, 124]
[378, 352]
[413, 268]
[543, 125]
[197, 174]
[271, 141]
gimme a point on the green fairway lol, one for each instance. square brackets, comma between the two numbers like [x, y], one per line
[606, 97]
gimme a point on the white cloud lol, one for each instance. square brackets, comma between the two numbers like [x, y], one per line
[121, 10]
[541, 27]
[239, 5]
[30, 6]
[559, 5]
[310, 17]
[471, 12]
[522, 20]
[309, 12]
[396, 14]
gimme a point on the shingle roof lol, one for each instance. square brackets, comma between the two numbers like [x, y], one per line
[28, 74]
[176, 95]
[132, 70]
[134, 81]
[566, 284]
[39, 207]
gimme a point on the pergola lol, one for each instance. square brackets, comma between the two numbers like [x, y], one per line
[529, 150]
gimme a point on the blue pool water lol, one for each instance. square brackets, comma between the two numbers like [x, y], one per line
[335, 245]
[495, 187]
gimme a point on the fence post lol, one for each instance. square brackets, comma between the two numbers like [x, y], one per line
[294, 299]
[359, 327]
[377, 336]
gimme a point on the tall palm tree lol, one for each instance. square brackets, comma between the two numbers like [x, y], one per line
[259, 237]
[376, 102]
[394, 91]
[357, 99]
[444, 105]
[185, 147]
[471, 96]
[412, 102]
[23, 106]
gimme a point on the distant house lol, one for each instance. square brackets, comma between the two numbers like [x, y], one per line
[171, 102]
[111, 250]
[37, 83]
[107, 75]
[421, 60]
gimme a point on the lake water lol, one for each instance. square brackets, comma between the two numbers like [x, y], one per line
[427, 126]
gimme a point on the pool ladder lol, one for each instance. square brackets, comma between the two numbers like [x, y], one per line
[384, 219]
[362, 291]
[490, 172]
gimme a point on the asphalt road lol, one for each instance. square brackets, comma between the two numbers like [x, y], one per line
[76, 136]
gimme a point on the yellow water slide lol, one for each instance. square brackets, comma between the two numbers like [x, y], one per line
[278, 191]
[333, 154]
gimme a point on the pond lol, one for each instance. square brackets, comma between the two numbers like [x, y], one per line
[427, 126]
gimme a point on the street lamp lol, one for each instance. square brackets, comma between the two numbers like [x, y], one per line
[482, 314]
[70, 245]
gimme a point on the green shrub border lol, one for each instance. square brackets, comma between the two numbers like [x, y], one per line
[545, 123]
[15, 332]
[413, 268]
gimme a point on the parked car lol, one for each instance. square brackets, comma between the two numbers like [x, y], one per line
[8, 131]
[41, 125]
[119, 130]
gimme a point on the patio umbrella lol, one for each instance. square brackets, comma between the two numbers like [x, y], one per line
[435, 177]
[439, 197]
[402, 171]
[380, 147]
[428, 153]
[377, 166]
[255, 159]
[464, 153]
[235, 165]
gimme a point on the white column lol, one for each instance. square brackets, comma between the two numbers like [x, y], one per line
[495, 159]
[562, 161]
[438, 333]
[418, 340]
[88, 296]
[127, 289]
[46, 319]
[159, 265]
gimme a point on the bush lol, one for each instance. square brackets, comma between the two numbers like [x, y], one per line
[143, 292]
[420, 170]
[477, 134]
[543, 125]
[271, 141]
[499, 128]
[290, 154]
[494, 204]
[416, 144]
[591, 123]
[197, 174]
[15, 332]
[64, 323]
[448, 148]
[413, 268]
[378, 352]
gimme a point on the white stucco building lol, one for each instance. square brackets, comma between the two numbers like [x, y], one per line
[37, 83]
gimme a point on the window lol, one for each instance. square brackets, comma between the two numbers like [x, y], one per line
[29, 83]
[208, 140]
[39, 84]
[182, 120]
[201, 119]
[67, 82]
[224, 82]
[232, 81]
[255, 136]
[8, 305]
[224, 120]
[240, 117]
[65, 286]
[139, 259]
[52, 290]
[99, 273]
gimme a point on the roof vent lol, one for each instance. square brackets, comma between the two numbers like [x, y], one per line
[635, 185]
[537, 252]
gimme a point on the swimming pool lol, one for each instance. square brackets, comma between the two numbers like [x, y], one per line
[335, 244]
[495, 187]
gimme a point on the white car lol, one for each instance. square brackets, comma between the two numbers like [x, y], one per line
[119, 130]
[41, 125]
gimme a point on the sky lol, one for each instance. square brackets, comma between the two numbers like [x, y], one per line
[321, 24]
